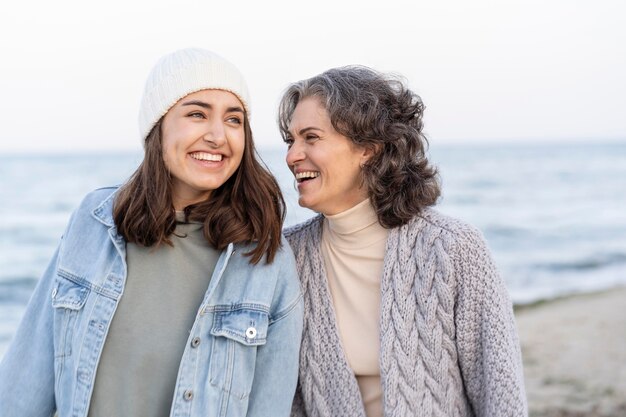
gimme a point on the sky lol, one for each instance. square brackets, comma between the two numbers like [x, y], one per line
[72, 72]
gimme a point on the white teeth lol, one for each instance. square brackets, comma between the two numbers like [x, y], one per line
[307, 174]
[204, 156]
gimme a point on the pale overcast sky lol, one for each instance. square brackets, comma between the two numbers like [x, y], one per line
[72, 72]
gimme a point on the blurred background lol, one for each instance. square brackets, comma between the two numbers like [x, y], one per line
[525, 114]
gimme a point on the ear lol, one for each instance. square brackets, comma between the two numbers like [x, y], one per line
[370, 151]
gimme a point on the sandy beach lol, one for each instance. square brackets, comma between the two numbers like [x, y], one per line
[574, 352]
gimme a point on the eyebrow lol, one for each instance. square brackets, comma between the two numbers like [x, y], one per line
[209, 107]
[306, 129]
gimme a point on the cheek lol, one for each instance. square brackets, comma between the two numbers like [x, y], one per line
[168, 142]
[340, 165]
[349, 170]
[173, 156]
[168, 154]
[239, 145]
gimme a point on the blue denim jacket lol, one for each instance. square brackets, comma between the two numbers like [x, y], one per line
[249, 327]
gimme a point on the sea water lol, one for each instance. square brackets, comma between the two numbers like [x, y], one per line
[554, 215]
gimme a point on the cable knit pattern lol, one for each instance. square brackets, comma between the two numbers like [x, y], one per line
[449, 345]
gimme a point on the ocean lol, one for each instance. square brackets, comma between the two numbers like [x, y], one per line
[554, 215]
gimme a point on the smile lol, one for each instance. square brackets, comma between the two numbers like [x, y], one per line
[205, 156]
[306, 175]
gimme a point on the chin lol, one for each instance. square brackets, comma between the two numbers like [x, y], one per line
[303, 203]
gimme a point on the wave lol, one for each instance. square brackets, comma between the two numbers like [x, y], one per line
[591, 263]
[16, 290]
[509, 231]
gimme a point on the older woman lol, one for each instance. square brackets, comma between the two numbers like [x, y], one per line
[405, 313]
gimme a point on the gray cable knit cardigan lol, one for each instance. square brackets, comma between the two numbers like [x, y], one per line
[449, 346]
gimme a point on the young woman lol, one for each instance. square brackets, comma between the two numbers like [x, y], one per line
[405, 314]
[172, 295]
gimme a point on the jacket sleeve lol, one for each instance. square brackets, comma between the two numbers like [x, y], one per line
[277, 360]
[487, 340]
[27, 368]
[297, 408]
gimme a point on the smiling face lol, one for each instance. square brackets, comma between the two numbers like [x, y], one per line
[326, 164]
[203, 143]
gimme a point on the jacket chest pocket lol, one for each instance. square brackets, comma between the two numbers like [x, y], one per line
[68, 298]
[236, 336]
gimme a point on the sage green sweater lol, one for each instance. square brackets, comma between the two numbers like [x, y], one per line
[141, 356]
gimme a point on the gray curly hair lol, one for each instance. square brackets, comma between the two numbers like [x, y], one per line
[376, 111]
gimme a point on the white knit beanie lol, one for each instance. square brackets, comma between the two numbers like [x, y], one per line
[184, 72]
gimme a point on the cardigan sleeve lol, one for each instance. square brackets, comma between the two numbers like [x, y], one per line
[487, 340]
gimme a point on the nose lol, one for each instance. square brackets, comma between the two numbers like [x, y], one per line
[295, 154]
[215, 134]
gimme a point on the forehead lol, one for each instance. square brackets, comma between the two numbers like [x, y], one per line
[213, 96]
[309, 112]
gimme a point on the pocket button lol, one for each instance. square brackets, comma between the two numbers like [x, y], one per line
[251, 333]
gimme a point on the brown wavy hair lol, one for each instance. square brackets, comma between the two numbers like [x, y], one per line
[379, 112]
[247, 208]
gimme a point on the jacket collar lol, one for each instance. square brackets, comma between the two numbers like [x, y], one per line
[104, 212]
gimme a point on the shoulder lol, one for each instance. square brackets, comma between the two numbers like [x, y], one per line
[466, 247]
[285, 266]
[95, 208]
[447, 224]
[274, 285]
[288, 293]
[96, 198]
[86, 245]
[453, 231]
[299, 234]
[282, 260]
[435, 233]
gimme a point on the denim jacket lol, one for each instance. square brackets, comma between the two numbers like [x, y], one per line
[241, 357]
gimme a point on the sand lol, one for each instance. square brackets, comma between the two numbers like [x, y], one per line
[574, 352]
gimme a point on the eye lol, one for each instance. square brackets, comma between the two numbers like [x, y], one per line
[196, 115]
[289, 141]
[311, 137]
[235, 120]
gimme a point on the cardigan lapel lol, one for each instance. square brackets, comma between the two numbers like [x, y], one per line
[319, 360]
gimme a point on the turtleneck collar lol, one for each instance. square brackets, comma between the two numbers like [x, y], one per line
[180, 218]
[356, 227]
[188, 229]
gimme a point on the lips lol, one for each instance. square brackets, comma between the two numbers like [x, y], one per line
[205, 156]
[306, 175]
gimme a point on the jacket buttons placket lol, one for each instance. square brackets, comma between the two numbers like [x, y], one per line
[195, 342]
[188, 395]
[251, 333]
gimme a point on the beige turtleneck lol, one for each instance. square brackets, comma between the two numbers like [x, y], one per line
[353, 247]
